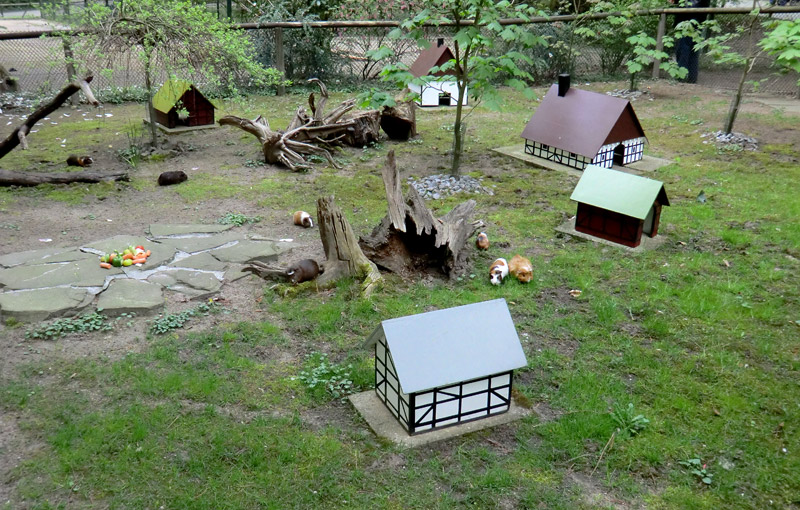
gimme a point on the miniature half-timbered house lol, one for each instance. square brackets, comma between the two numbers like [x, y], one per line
[435, 92]
[618, 206]
[578, 127]
[446, 367]
[179, 104]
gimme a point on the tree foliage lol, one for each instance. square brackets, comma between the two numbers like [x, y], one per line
[783, 42]
[476, 66]
[170, 37]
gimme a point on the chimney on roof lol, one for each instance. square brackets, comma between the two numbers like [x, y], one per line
[440, 42]
[563, 84]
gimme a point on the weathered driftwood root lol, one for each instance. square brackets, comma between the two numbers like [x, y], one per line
[9, 178]
[19, 135]
[344, 257]
[311, 135]
[410, 238]
[7, 82]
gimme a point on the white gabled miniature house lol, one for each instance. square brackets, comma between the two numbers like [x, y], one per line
[446, 367]
[435, 91]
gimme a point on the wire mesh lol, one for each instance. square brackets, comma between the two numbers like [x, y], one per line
[341, 55]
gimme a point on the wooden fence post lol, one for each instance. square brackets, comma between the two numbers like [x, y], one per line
[280, 65]
[662, 28]
[69, 58]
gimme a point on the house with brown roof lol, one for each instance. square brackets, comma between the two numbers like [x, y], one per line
[437, 90]
[578, 127]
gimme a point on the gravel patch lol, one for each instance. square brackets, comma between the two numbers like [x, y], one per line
[736, 141]
[630, 95]
[437, 186]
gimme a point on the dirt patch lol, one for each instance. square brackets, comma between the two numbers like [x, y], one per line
[14, 448]
[595, 496]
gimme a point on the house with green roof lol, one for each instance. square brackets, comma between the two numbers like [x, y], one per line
[618, 206]
[179, 104]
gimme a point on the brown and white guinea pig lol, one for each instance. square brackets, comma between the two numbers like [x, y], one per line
[482, 242]
[303, 271]
[303, 219]
[497, 271]
[521, 268]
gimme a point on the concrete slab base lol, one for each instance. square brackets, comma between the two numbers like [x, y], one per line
[645, 165]
[788, 105]
[647, 243]
[386, 426]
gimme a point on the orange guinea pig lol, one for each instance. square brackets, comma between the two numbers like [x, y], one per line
[521, 268]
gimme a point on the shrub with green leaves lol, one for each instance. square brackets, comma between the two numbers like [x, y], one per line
[166, 323]
[628, 423]
[237, 219]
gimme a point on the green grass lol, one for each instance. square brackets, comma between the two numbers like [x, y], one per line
[700, 335]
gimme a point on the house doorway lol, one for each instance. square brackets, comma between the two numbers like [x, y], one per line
[619, 155]
[444, 99]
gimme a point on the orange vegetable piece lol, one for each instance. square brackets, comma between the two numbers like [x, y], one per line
[147, 253]
[127, 256]
[105, 265]
[140, 260]
[111, 256]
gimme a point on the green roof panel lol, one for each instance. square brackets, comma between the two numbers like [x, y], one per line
[169, 93]
[617, 191]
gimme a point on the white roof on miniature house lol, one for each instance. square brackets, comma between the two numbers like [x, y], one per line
[452, 345]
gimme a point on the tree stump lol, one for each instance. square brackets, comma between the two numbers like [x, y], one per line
[400, 122]
[344, 257]
[411, 239]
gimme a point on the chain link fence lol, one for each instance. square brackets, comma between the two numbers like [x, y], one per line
[339, 55]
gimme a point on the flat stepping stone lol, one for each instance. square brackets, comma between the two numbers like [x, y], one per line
[43, 256]
[201, 243]
[116, 243]
[201, 261]
[42, 304]
[195, 284]
[249, 251]
[125, 295]
[158, 230]
[81, 273]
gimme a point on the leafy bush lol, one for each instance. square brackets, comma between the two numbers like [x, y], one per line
[322, 374]
[93, 321]
[166, 323]
[238, 219]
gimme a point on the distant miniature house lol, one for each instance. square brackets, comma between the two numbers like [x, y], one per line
[618, 206]
[447, 367]
[435, 92]
[578, 127]
[179, 104]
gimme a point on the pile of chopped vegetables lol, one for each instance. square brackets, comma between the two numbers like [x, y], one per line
[130, 256]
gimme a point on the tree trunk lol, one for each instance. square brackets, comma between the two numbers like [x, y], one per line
[458, 133]
[410, 239]
[344, 257]
[7, 82]
[400, 122]
[151, 111]
[733, 111]
[9, 178]
[19, 135]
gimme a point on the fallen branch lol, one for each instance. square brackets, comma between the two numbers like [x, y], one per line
[9, 178]
[19, 135]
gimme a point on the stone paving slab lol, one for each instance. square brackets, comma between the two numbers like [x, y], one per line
[124, 295]
[201, 261]
[116, 243]
[81, 273]
[42, 304]
[249, 251]
[68, 278]
[197, 244]
[385, 425]
[195, 284]
[42, 256]
[166, 230]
